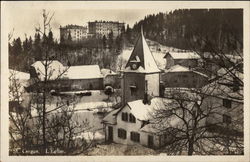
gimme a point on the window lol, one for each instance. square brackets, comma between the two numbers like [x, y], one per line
[124, 116]
[134, 136]
[133, 89]
[131, 118]
[227, 103]
[227, 119]
[122, 133]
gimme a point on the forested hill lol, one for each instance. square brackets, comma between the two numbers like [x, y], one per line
[182, 28]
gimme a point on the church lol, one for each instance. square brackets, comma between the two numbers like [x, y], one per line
[131, 124]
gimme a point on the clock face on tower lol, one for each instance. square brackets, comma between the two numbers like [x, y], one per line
[134, 66]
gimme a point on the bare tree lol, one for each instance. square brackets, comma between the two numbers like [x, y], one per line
[54, 128]
[18, 115]
[184, 123]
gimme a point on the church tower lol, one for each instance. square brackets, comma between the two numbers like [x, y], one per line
[141, 75]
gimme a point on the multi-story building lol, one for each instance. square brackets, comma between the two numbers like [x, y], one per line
[101, 28]
[76, 32]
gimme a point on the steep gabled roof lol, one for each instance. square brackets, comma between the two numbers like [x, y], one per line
[143, 55]
[110, 118]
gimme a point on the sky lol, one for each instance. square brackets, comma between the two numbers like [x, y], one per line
[24, 20]
[24, 16]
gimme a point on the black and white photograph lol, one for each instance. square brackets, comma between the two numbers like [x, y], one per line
[153, 79]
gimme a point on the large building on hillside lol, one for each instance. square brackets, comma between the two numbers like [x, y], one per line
[100, 28]
[76, 32]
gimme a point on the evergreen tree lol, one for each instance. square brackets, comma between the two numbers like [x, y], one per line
[37, 49]
[111, 39]
[104, 41]
[17, 47]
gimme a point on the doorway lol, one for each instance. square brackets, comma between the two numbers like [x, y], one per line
[150, 141]
[110, 133]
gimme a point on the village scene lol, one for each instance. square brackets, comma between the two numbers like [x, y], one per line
[170, 84]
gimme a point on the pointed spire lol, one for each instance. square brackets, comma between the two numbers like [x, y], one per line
[142, 30]
[142, 53]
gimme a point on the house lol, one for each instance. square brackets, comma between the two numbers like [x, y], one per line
[69, 78]
[133, 124]
[187, 59]
[141, 74]
[227, 100]
[183, 77]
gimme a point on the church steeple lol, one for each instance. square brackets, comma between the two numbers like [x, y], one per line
[141, 75]
[141, 59]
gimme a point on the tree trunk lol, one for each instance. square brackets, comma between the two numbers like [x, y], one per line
[43, 123]
[190, 148]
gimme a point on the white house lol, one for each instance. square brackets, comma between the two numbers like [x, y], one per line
[134, 124]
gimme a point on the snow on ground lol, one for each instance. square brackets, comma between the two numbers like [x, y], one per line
[120, 149]
[90, 136]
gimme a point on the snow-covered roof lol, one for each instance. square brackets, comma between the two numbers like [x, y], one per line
[73, 72]
[55, 69]
[111, 117]
[106, 72]
[84, 72]
[142, 53]
[183, 55]
[19, 75]
[143, 111]
[179, 68]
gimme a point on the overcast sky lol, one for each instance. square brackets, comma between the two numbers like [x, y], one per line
[24, 16]
[25, 19]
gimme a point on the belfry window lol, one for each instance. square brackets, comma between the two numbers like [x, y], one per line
[133, 89]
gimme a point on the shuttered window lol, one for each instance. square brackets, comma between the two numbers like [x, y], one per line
[124, 116]
[132, 118]
[122, 133]
[134, 136]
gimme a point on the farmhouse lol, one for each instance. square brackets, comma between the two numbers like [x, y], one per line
[183, 77]
[68, 78]
[187, 59]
